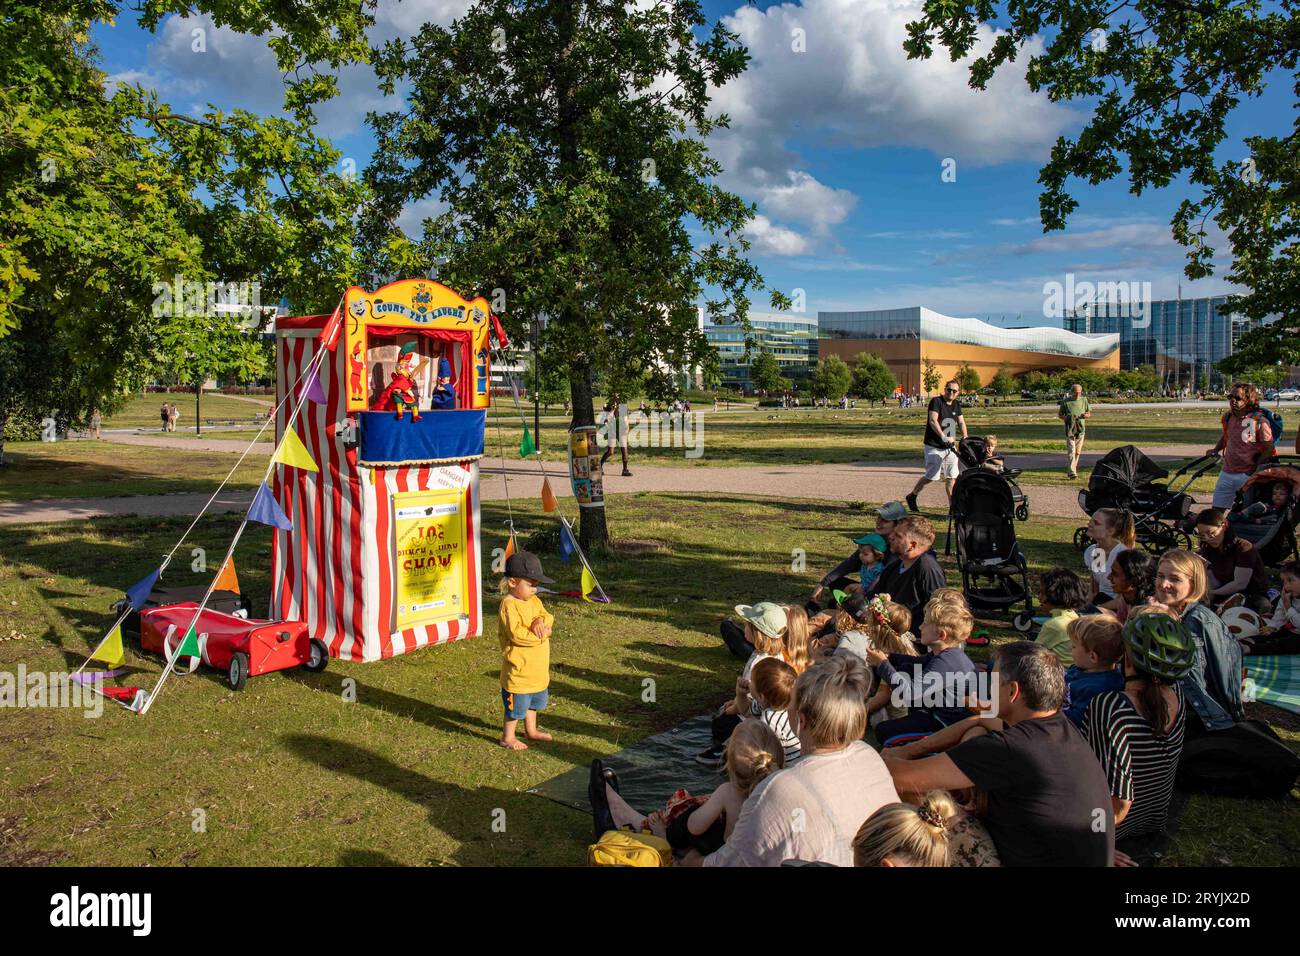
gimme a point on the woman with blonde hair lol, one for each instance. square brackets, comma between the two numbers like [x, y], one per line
[1213, 686]
[797, 638]
[810, 810]
[1112, 533]
[935, 832]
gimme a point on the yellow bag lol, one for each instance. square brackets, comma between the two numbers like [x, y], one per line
[625, 848]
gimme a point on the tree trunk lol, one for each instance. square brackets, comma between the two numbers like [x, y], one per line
[593, 532]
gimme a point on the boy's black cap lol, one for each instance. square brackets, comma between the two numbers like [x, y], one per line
[525, 564]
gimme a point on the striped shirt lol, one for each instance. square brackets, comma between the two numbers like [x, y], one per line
[1139, 765]
[779, 721]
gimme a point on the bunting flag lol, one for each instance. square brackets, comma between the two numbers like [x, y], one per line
[294, 453]
[266, 510]
[526, 446]
[590, 589]
[312, 387]
[227, 579]
[510, 546]
[566, 543]
[329, 335]
[110, 649]
[549, 503]
[139, 592]
[190, 645]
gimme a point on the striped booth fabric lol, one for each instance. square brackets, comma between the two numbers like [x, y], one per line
[383, 559]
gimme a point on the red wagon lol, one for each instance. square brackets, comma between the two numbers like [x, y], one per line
[241, 647]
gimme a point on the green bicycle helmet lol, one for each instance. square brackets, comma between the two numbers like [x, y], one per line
[1160, 645]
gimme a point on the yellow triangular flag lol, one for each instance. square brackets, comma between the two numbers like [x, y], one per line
[588, 584]
[227, 579]
[549, 503]
[110, 650]
[294, 453]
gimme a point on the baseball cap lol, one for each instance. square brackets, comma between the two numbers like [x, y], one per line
[525, 564]
[875, 540]
[765, 615]
[892, 511]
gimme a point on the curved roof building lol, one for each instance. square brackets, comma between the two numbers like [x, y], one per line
[906, 338]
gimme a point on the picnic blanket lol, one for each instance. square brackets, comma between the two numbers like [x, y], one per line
[648, 771]
[1274, 680]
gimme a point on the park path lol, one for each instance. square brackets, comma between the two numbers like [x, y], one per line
[854, 481]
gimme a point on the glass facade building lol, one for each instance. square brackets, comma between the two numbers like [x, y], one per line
[792, 340]
[1182, 339]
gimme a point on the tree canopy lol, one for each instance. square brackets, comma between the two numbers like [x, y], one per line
[1164, 77]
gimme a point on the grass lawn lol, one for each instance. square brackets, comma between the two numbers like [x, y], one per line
[141, 411]
[288, 772]
[88, 469]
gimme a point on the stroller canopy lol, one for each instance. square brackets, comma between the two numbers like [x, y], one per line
[973, 451]
[980, 491]
[1126, 466]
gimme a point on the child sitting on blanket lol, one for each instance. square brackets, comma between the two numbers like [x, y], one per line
[1096, 647]
[703, 824]
[888, 631]
[765, 629]
[1281, 633]
[771, 685]
[946, 625]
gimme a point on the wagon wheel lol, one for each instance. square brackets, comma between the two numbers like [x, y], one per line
[1081, 539]
[238, 672]
[1023, 622]
[320, 656]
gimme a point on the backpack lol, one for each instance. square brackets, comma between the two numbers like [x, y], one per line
[1245, 760]
[1273, 418]
[625, 848]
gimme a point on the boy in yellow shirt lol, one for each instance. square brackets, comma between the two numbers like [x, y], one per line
[525, 631]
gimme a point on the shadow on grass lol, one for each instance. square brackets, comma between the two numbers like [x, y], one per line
[467, 814]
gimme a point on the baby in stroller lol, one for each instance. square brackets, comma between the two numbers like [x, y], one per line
[1269, 512]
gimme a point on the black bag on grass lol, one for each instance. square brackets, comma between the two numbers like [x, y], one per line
[228, 602]
[1246, 760]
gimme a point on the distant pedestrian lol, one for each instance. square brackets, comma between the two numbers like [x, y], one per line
[166, 415]
[1074, 412]
[95, 421]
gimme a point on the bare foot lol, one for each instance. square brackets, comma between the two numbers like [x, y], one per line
[539, 735]
[512, 744]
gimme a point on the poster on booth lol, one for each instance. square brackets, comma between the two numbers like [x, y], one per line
[431, 564]
[584, 467]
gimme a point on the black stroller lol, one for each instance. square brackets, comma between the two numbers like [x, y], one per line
[1129, 480]
[1272, 531]
[973, 452]
[994, 571]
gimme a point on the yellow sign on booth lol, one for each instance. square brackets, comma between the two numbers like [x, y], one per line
[418, 305]
[431, 531]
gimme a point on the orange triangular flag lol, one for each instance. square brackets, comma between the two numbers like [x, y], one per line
[227, 579]
[549, 503]
[510, 546]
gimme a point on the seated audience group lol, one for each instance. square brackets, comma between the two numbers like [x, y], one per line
[1062, 750]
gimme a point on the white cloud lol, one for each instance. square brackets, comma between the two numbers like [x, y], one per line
[767, 237]
[855, 88]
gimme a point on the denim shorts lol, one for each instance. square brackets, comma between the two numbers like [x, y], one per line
[518, 705]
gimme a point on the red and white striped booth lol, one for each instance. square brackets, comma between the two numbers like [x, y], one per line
[384, 556]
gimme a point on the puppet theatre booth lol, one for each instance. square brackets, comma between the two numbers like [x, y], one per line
[384, 554]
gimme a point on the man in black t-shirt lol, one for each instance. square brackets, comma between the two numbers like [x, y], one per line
[1048, 800]
[944, 427]
[914, 573]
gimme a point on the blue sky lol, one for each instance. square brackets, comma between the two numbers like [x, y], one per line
[841, 144]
